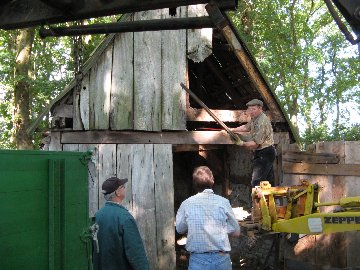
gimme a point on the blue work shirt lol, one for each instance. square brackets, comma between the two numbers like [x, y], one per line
[208, 219]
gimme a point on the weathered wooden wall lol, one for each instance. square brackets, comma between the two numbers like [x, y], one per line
[149, 191]
[134, 82]
[338, 179]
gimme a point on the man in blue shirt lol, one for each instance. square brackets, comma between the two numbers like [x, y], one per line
[120, 245]
[208, 219]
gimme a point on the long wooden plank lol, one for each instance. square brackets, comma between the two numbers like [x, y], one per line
[307, 157]
[100, 83]
[124, 158]
[122, 96]
[143, 182]
[171, 137]
[71, 147]
[55, 141]
[84, 102]
[321, 169]
[164, 203]
[174, 71]
[147, 76]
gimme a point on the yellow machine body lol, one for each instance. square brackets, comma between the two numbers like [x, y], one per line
[295, 209]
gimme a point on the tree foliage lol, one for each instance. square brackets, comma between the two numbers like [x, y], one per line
[51, 67]
[312, 68]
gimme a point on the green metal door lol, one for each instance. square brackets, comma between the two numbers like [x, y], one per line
[43, 210]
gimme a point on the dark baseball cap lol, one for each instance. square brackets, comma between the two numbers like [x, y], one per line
[111, 184]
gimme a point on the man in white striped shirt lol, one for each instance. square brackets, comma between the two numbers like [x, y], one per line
[207, 219]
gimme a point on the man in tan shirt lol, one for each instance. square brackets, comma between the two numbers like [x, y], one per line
[258, 136]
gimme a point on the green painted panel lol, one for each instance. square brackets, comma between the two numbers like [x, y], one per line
[43, 210]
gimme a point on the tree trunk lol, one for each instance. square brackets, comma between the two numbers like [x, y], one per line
[21, 120]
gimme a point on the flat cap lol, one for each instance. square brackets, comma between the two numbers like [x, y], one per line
[111, 184]
[255, 102]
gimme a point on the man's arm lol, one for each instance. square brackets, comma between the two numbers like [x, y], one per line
[134, 247]
[232, 223]
[181, 225]
[242, 128]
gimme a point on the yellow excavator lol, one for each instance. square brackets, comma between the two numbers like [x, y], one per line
[296, 209]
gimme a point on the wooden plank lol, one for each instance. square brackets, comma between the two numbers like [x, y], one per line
[143, 182]
[321, 169]
[106, 166]
[196, 115]
[63, 110]
[196, 147]
[93, 177]
[147, 77]
[124, 158]
[70, 147]
[55, 144]
[133, 137]
[100, 83]
[199, 41]
[164, 205]
[76, 116]
[122, 96]
[84, 102]
[174, 71]
[307, 157]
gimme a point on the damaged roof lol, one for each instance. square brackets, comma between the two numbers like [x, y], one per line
[225, 80]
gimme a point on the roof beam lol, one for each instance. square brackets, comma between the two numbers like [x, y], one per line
[22, 14]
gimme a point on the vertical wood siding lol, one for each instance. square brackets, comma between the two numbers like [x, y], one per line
[122, 87]
[84, 102]
[147, 76]
[149, 191]
[100, 83]
[164, 193]
[173, 71]
[107, 166]
[134, 84]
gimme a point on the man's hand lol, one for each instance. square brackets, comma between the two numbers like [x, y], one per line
[237, 141]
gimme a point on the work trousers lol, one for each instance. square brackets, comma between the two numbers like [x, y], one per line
[263, 166]
[210, 261]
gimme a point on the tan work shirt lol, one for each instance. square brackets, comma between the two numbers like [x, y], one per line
[261, 131]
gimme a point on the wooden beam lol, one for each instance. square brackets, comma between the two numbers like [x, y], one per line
[298, 156]
[321, 169]
[201, 115]
[196, 147]
[124, 27]
[63, 110]
[21, 14]
[139, 137]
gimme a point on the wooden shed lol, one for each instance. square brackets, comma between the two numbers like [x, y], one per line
[132, 112]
